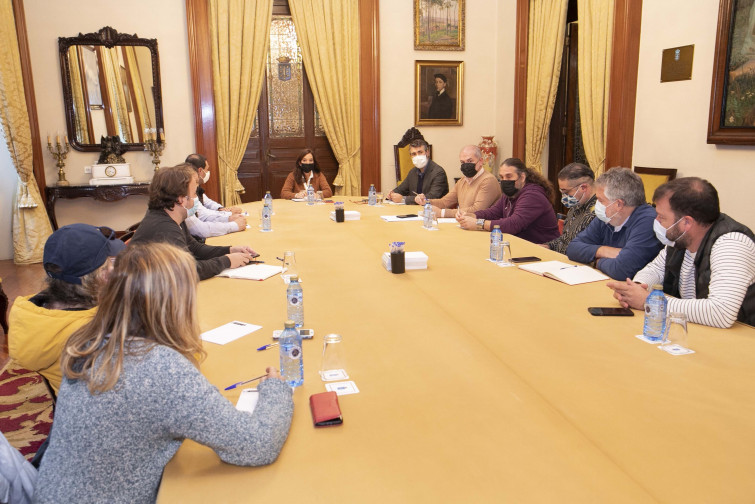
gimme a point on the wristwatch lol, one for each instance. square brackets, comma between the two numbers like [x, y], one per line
[480, 224]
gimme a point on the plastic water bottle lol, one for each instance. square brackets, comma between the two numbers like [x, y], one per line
[428, 216]
[496, 244]
[268, 200]
[295, 299]
[310, 195]
[291, 362]
[267, 224]
[655, 314]
[372, 196]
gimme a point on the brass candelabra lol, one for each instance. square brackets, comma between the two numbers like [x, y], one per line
[59, 152]
[154, 146]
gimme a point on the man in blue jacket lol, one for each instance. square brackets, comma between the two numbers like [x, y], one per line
[621, 240]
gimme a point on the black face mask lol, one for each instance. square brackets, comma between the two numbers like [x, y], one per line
[508, 187]
[306, 168]
[468, 169]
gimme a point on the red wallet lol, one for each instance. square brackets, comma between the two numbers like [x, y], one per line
[325, 409]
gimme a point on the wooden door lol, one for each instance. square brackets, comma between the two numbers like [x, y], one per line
[287, 121]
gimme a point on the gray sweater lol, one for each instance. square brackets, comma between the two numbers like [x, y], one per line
[113, 447]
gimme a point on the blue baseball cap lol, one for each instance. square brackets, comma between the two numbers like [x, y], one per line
[76, 250]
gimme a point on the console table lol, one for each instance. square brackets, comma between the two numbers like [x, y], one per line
[99, 193]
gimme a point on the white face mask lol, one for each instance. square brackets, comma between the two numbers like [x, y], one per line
[420, 161]
[206, 177]
[660, 233]
[600, 211]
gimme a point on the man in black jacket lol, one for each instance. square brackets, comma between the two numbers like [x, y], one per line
[426, 178]
[171, 198]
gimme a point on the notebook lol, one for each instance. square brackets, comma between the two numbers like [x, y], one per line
[252, 272]
[567, 273]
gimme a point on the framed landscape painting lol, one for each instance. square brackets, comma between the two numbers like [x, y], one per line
[732, 103]
[439, 25]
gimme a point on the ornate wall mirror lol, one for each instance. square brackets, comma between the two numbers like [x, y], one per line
[111, 87]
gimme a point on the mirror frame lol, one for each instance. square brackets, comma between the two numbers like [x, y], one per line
[107, 37]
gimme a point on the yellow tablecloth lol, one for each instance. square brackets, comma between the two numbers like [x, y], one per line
[477, 383]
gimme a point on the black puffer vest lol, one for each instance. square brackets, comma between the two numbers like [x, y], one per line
[675, 257]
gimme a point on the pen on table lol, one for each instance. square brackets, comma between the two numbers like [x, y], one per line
[256, 262]
[567, 267]
[265, 347]
[243, 382]
[279, 258]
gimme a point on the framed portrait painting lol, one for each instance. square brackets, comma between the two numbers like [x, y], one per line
[439, 25]
[732, 103]
[438, 93]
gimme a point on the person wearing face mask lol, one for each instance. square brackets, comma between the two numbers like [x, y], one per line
[476, 190]
[524, 209]
[707, 267]
[621, 240]
[306, 173]
[575, 181]
[204, 222]
[427, 180]
[171, 201]
[203, 171]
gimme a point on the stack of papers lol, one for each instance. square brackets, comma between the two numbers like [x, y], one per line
[412, 260]
[252, 272]
[571, 274]
[396, 218]
[347, 215]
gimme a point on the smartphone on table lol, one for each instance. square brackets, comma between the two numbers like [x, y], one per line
[610, 312]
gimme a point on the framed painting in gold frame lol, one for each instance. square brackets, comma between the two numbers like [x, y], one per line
[439, 26]
[438, 93]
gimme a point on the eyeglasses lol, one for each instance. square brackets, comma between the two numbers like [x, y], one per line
[566, 193]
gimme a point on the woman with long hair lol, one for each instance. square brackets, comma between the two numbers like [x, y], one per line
[524, 209]
[306, 172]
[132, 390]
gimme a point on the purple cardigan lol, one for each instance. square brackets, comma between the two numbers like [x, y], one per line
[528, 215]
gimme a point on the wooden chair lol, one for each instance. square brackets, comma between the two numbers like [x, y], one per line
[401, 153]
[652, 178]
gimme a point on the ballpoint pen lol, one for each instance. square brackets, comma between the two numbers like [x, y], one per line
[570, 266]
[243, 382]
[265, 347]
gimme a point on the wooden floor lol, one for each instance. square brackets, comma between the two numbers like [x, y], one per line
[18, 280]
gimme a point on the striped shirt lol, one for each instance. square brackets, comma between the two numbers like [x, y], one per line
[577, 219]
[732, 271]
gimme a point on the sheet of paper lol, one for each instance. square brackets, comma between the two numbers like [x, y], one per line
[393, 218]
[447, 220]
[252, 272]
[342, 388]
[676, 349]
[229, 332]
[248, 400]
[389, 202]
[299, 199]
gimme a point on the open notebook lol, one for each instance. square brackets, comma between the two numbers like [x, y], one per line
[568, 273]
[252, 272]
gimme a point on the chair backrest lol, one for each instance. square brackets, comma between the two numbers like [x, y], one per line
[401, 153]
[3, 309]
[652, 178]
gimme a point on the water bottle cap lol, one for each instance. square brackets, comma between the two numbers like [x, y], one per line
[293, 278]
[496, 227]
[289, 324]
[657, 287]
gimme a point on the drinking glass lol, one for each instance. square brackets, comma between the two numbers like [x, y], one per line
[506, 254]
[379, 199]
[333, 366]
[318, 196]
[289, 265]
[676, 330]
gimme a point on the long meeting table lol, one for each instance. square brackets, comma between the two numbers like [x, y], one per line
[476, 383]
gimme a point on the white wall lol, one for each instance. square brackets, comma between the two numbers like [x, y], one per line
[46, 20]
[671, 119]
[488, 83]
[7, 192]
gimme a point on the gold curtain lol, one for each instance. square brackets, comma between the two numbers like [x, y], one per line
[545, 46]
[137, 87]
[114, 89]
[240, 35]
[82, 132]
[328, 33]
[31, 226]
[595, 40]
